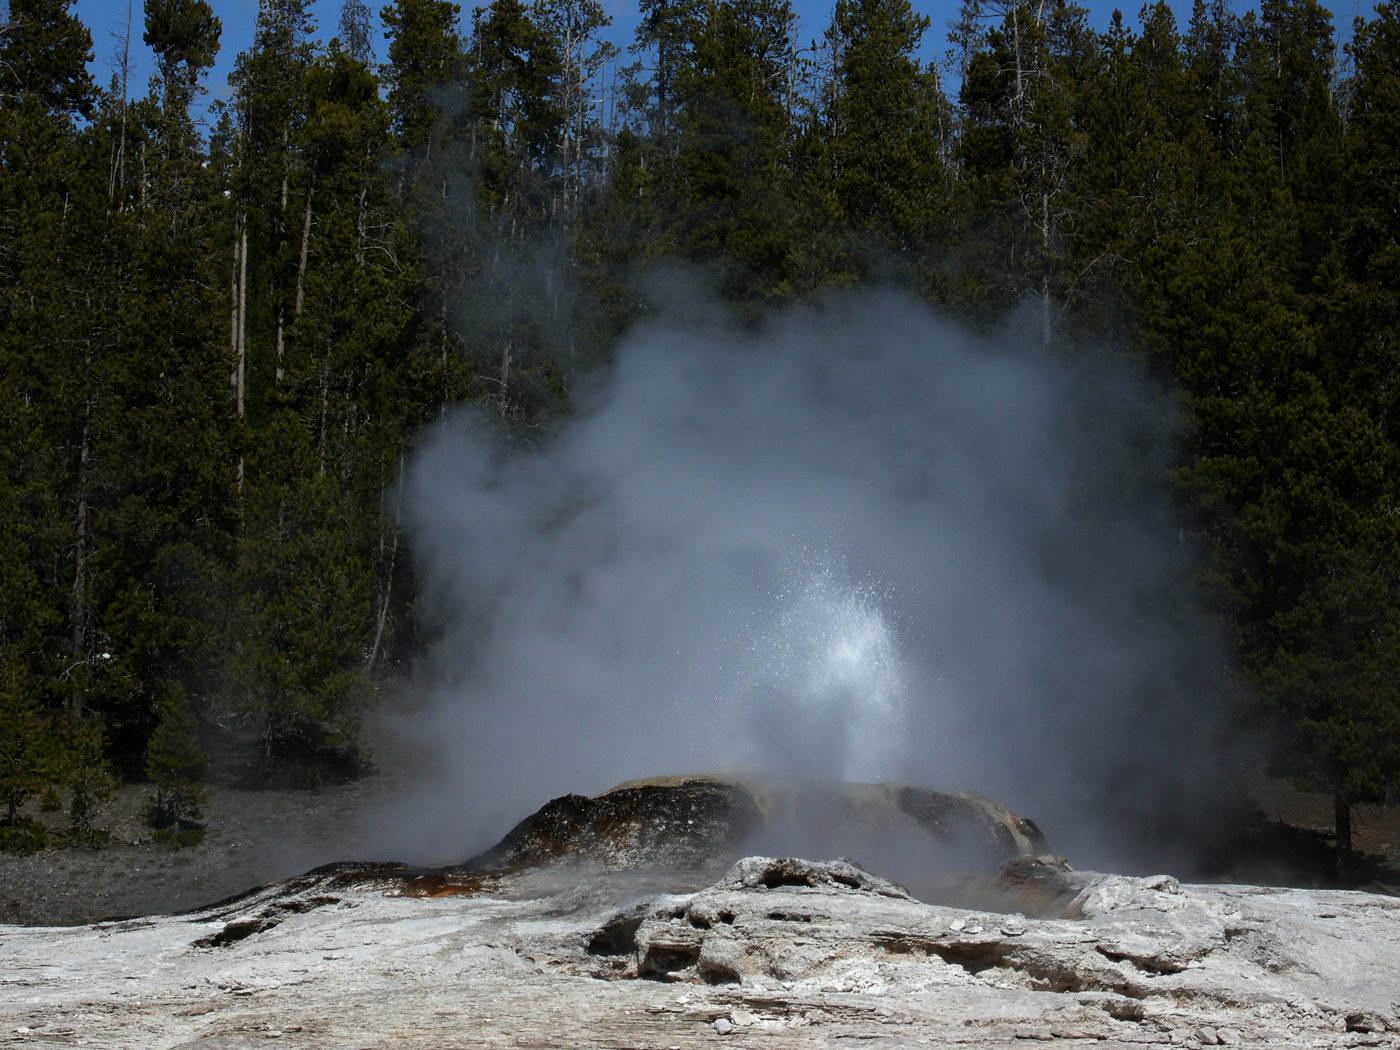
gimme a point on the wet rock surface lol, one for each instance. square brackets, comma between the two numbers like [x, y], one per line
[678, 824]
[704, 823]
[777, 952]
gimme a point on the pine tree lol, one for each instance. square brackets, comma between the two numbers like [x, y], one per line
[514, 307]
[26, 754]
[1291, 472]
[1213, 78]
[354, 30]
[299, 618]
[515, 68]
[177, 764]
[1363, 347]
[435, 246]
[885, 129]
[424, 59]
[665, 34]
[162, 461]
[268, 219]
[355, 385]
[731, 205]
[576, 26]
[87, 776]
[50, 333]
[1285, 56]
[311, 127]
[1022, 146]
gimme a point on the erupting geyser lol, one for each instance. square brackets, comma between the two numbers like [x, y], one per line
[821, 682]
[853, 543]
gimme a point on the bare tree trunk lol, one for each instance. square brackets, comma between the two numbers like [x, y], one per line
[117, 178]
[1020, 70]
[1341, 803]
[325, 412]
[305, 246]
[566, 126]
[286, 167]
[243, 316]
[238, 328]
[281, 341]
[233, 310]
[279, 371]
[80, 580]
[386, 589]
[505, 376]
[360, 212]
[1045, 268]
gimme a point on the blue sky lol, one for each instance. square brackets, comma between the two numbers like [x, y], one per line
[107, 19]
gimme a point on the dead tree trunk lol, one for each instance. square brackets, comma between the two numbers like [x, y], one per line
[387, 585]
[80, 575]
[305, 248]
[1341, 803]
[238, 325]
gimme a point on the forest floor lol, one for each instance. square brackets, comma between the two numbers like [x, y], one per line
[252, 837]
[257, 836]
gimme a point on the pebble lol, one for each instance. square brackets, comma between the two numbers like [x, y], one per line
[1207, 1036]
[1124, 1009]
[723, 1025]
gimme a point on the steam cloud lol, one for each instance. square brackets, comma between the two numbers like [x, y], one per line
[856, 543]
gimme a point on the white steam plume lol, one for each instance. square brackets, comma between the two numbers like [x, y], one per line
[856, 543]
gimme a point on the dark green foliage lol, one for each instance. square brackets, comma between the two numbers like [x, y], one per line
[424, 58]
[87, 776]
[43, 59]
[23, 837]
[732, 139]
[177, 764]
[27, 750]
[301, 611]
[184, 34]
[885, 132]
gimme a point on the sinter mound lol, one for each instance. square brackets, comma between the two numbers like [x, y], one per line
[689, 829]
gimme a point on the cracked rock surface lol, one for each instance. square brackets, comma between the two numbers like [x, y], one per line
[777, 953]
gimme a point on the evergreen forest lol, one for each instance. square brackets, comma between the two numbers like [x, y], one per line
[219, 338]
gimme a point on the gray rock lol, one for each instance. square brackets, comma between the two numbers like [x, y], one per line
[807, 953]
[1365, 1021]
[700, 824]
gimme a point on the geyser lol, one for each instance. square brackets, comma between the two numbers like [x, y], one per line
[821, 674]
[855, 542]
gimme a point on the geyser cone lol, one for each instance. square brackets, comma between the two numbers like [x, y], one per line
[700, 825]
